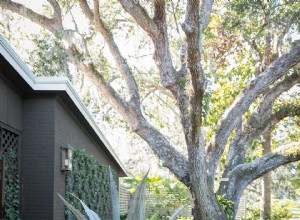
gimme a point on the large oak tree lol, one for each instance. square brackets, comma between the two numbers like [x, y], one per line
[244, 119]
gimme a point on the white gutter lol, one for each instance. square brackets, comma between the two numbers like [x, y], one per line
[52, 84]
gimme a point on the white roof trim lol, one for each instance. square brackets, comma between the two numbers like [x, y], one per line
[52, 84]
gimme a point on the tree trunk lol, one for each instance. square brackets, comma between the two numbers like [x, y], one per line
[206, 205]
[265, 200]
[207, 211]
[233, 190]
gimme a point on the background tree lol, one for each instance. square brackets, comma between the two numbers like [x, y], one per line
[265, 44]
[213, 67]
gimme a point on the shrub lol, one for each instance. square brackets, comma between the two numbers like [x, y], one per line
[279, 210]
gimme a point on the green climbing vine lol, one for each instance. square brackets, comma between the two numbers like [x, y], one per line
[89, 181]
[11, 186]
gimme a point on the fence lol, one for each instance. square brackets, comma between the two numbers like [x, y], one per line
[154, 204]
[241, 212]
[124, 199]
[153, 207]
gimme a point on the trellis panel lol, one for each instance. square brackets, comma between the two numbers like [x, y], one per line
[9, 174]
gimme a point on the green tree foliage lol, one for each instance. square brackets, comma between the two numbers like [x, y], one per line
[49, 57]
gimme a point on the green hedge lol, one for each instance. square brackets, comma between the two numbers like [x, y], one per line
[89, 181]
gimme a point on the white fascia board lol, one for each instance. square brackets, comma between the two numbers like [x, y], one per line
[10, 55]
[52, 84]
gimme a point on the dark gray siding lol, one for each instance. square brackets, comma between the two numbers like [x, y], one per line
[37, 158]
[10, 104]
[68, 131]
[45, 123]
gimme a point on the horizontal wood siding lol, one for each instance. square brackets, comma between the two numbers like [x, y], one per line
[37, 159]
[10, 104]
[69, 131]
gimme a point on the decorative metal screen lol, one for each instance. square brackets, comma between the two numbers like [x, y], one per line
[9, 174]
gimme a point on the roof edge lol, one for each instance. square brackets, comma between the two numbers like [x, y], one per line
[53, 84]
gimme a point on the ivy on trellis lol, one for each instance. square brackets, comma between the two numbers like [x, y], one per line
[89, 181]
[9, 142]
[11, 185]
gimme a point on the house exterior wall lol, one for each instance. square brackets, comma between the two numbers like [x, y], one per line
[10, 104]
[48, 125]
[33, 108]
[37, 158]
[69, 131]
[45, 124]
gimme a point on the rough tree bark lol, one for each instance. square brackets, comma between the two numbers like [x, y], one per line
[266, 184]
[242, 175]
[197, 170]
[265, 200]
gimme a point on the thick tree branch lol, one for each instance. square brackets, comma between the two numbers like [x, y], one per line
[257, 168]
[258, 122]
[206, 8]
[191, 22]
[240, 143]
[193, 27]
[171, 79]
[119, 59]
[193, 30]
[83, 62]
[52, 24]
[259, 85]
[244, 174]
[140, 15]
[167, 154]
[162, 55]
[274, 92]
[157, 30]
[86, 10]
[56, 10]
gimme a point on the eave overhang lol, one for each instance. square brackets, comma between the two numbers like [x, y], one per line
[57, 85]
